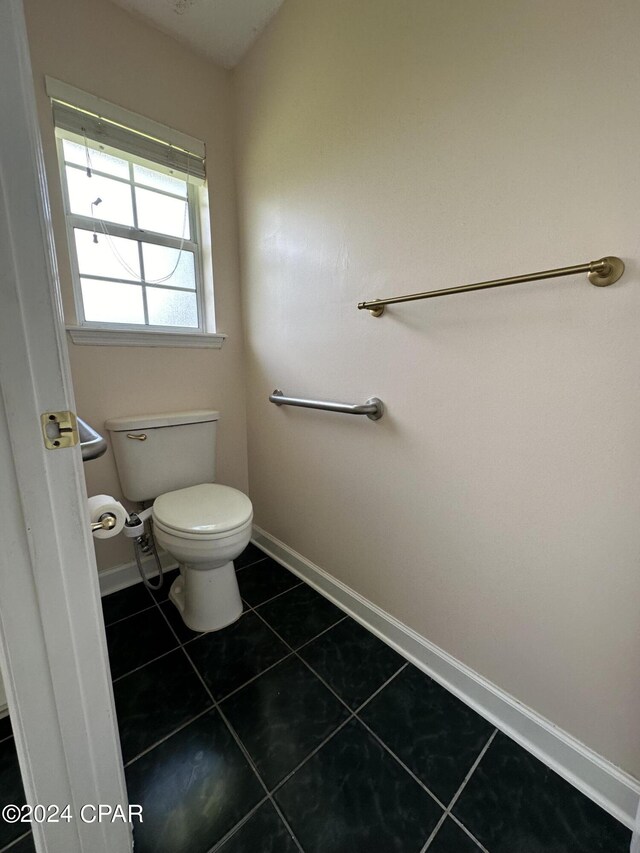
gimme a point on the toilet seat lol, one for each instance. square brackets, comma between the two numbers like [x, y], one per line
[204, 512]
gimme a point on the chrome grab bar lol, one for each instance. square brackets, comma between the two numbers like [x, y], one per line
[601, 273]
[373, 408]
[92, 444]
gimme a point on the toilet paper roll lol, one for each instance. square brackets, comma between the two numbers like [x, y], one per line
[98, 505]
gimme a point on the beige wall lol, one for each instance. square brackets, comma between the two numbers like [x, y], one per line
[387, 147]
[98, 47]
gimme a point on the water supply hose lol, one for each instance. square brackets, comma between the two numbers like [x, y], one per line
[137, 549]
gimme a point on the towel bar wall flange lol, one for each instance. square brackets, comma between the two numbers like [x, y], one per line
[602, 273]
[373, 408]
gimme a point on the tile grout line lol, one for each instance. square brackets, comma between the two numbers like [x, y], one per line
[142, 665]
[161, 740]
[467, 832]
[296, 652]
[235, 737]
[254, 767]
[243, 748]
[320, 678]
[233, 732]
[154, 603]
[307, 642]
[434, 831]
[254, 677]
[273, 597]
[128, 616]
[317, 749]
[182, 645]
[248, 565]
[354, 715]
[286, 823]
[356, 710]
[237, 827]
[208, 692]
[293, 653]
[465, 782]
[295, 649]
[401, 763]
[12, 844]
[472, 769]
[382, 686]
[456, 796]
[166, 619]
[235, 689]
[290, 589]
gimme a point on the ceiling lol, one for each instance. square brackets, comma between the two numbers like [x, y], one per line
[222, 30]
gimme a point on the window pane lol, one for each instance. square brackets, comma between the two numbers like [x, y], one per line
[172, 308]
[163, 265]
[75, 153]
[112, 302]
[159, 181]
[115, 205]
[162, 214]
[114, 257]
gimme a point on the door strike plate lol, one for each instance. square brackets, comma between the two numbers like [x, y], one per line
[60, 429]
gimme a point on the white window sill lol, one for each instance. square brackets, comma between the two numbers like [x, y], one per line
[91, 336]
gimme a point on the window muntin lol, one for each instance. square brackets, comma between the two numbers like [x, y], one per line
[132, 235]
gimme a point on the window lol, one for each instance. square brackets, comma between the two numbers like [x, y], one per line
[133, 204]
[133, 239]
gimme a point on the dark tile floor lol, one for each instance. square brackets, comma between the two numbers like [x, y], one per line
[12, 835]
[296, 729]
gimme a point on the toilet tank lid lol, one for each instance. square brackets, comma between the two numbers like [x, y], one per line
[163, 419]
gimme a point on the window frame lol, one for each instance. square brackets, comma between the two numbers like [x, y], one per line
[194, 244]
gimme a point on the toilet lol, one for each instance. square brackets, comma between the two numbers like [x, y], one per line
[169, 459]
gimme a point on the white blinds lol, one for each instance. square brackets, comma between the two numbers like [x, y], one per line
[115, 135]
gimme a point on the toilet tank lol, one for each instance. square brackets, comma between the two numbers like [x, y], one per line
[159, 453]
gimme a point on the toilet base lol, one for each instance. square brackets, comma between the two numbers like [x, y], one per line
[209, 599]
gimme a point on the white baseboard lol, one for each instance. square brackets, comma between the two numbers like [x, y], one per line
[604, 783]
[120, 577]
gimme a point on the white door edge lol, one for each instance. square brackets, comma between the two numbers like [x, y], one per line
[52, 645]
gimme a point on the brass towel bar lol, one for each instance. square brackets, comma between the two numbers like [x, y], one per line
[601, 273]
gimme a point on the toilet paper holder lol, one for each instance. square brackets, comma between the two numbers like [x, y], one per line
[134, 524]
[107, 521]
[107, 516]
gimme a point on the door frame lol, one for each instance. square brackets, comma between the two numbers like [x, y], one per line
[53, 653]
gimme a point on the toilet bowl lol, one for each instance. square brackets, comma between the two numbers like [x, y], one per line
[204, 527]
